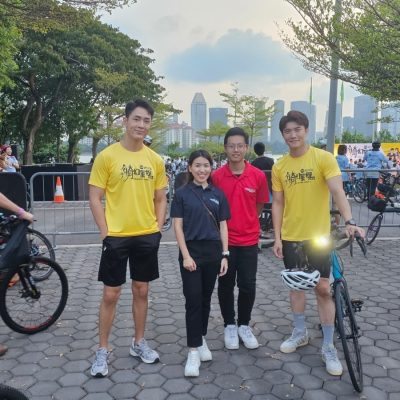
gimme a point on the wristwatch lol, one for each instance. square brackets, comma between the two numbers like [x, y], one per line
[351, 222]
[225, 254]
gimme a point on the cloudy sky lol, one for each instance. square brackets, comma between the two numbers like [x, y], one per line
[205, 45]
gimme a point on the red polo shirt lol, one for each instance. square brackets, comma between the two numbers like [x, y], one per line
[243, 192]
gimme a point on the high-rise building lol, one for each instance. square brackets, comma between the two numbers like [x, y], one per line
[390, 116]
[348, 124]
[199, 113]
[311, 111]
[217, 114]
[279, 112]
[364, 114]
[180, 133]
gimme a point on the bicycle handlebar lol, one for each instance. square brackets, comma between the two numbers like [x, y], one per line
[350, 240]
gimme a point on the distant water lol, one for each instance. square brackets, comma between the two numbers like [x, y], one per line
[85, 158]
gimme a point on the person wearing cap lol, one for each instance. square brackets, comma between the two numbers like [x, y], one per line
[148, 140]
[374, 159]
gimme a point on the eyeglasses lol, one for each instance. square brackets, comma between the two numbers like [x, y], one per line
[239, 146]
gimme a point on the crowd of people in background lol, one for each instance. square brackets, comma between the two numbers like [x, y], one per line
[8, 162]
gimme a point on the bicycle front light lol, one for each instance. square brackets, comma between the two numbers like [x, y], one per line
[321, 242]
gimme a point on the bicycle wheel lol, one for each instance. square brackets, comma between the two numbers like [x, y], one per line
[28, 306]
[359, 192]
[373, 228]
[40, 246]
[10, 393]
[349, 333]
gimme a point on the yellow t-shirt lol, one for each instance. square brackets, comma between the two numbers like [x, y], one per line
[129, 180]
[303, 183]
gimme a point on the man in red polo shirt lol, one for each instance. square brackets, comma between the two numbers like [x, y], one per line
[246, 189]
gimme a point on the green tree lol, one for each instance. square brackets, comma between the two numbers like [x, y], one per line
[352, 137]
[17, 16]
[173, 150]
[250, 112]
[216, 150]
[62, 67]
[364, 37]
[384, 136]
[214, 133]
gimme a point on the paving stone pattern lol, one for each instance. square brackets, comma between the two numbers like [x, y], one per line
[55, 364]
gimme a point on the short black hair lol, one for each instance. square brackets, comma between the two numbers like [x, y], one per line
[131, 105]
[376, 145]
[342, 149]
[259, 148]
[293, 116]
[236, 131]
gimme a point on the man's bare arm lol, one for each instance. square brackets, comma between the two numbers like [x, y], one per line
[96, 195]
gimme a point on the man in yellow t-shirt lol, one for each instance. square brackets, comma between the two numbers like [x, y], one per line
[132, 178]
[302, 182]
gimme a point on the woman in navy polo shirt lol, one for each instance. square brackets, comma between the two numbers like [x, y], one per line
[199, 211]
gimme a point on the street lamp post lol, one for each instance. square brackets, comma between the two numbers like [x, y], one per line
[333, 92]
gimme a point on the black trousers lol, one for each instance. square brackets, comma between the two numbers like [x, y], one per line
[242, 268]
[198, 287]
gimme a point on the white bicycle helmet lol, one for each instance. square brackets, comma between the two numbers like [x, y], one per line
[300, 279]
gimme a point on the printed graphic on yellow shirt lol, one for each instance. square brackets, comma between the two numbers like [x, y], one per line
[304, 176]
[136, 173]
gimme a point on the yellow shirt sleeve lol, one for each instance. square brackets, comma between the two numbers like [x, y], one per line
[99, 174]
[276, 182]
[329, 166]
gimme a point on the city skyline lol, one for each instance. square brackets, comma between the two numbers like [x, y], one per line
[199, 51]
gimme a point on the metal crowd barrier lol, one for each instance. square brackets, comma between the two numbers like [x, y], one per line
[71, 217]
[363, 215]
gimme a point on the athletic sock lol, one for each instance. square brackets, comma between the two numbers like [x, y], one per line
[327, 331]
[299, 322]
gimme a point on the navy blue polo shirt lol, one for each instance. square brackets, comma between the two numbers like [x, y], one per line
[197, 222]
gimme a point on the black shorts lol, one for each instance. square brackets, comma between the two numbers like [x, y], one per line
[320, 260]
[142, 252]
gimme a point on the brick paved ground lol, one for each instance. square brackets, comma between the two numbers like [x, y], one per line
[55, 364]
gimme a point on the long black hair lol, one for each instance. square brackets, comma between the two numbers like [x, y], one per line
[196, 154]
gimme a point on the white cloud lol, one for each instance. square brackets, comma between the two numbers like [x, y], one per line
[187, 33]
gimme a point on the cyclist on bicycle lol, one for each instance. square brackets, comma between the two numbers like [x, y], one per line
[302, 182]
[21, 213]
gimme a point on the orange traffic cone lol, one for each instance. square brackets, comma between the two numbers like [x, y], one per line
[59, 194]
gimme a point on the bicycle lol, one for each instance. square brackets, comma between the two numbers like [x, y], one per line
[39, 246]
[382, 204]
[359, 190]
[10, 393]
[266, 227]
[345, 321]
[27, 305]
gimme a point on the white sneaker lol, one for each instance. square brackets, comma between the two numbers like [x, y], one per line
[144, 352]
[99, 367]
[192, 363]
[204, 351]
[231, 337]
[248, 339]
[332, 362]
[298, 339]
